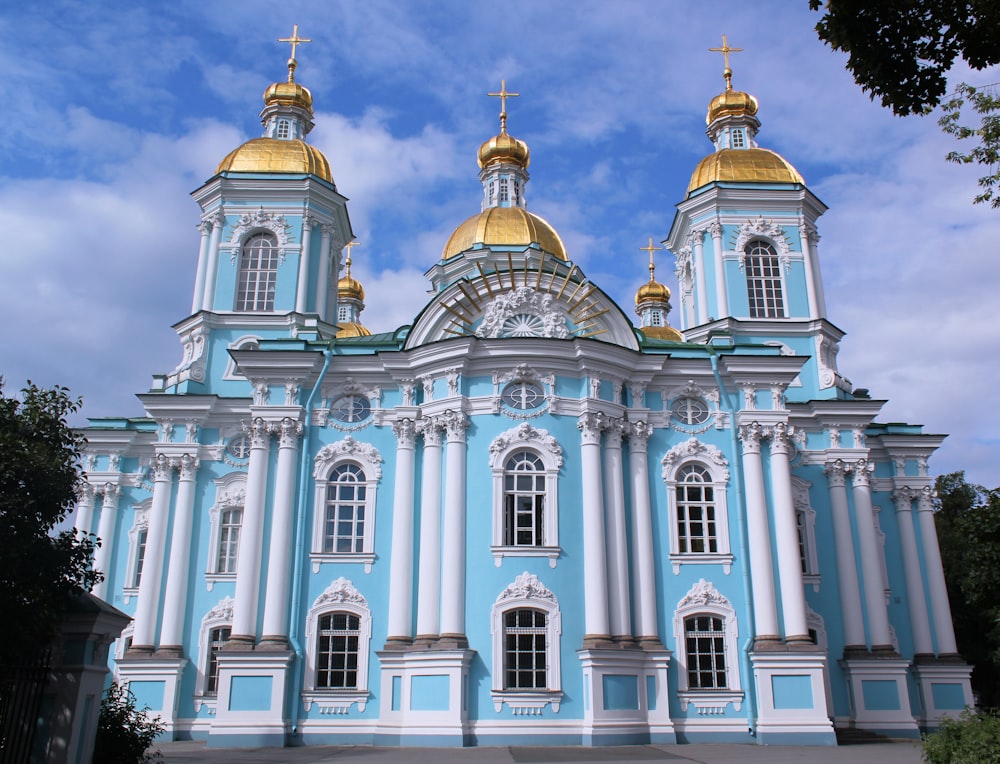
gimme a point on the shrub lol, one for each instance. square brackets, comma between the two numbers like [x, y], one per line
[973, 738]
[124, 732]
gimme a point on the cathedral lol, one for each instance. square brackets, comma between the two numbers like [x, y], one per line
[521, 519]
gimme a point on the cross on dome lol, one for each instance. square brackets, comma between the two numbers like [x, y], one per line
[725, 50]
[503, 95]
[651, 249]
[295, 41]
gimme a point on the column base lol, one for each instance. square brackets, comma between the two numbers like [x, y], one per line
[945, 687]
[155, 682]
[879, 692]
[792, 698]
[250, 710]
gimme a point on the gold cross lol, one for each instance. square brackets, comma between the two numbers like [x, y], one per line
[295, 40]
[503, 95]
[348, 247]
[651, 249]
[725, 50]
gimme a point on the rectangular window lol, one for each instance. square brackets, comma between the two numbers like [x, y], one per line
[705, 645]
[229, 540]
[258, 274]
[524, 650]
[504, 193]
[344, 528]
[217, 638]
[337, 651]
[764, 286]
[140, 554]
[737, 138]
[696, 525]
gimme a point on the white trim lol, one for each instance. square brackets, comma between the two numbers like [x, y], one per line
[219, 616]
[232, 370]
[230, 493]
[140, 522]
[803, 508]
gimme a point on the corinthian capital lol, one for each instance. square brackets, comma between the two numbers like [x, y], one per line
[431, 428]
[861, 471]
[161, 468]
[925, 501]
[288, 432]
[750, 436]
[903, 498]
[638, 436]
[405, 432]
[258, 432]
[781, 438]
[590, 426]
[836, 473]
[455, 424]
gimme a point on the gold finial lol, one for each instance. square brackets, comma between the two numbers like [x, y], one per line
[295, 40]
[350, 245]
[503, 95]
[651, 249]
[725, 50]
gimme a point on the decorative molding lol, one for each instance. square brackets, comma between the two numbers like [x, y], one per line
[526, 586]
[525, 434]
[762, 229]
[340, 592]
[523, 312]
[351, 448]
[258, 220]
[703, 594]
[694, 449]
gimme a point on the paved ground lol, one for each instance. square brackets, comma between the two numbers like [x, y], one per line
[189, 752]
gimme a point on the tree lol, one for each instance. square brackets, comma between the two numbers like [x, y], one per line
[39, 475]
[900, 51]
[124, 732]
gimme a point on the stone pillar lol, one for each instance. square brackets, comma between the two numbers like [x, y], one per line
[919, 623]
[698, 251]
[595, 567]
[871, 566]
[429, 575]
[453, 555]
[401, 559]
[326, 271]
[178, 567]
[218, 221]
[244, 634]
[617, 545]
[643, 570]
[810, 242]
[851, 614]
[106, 533]
[786, 535]
[279, 558]
[302, 289]
[148, 604]
[84, 508]
[765, 608]
[810, 274]
[944, 630]
[721, 307]
[199, 280]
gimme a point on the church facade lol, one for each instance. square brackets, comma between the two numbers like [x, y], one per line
[520, 519]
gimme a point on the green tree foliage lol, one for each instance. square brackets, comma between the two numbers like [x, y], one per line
[39, 475]
[968, 526]
[900, 51]
[970, 739]
[124, 732]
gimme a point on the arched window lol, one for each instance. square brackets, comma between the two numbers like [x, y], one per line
[337, 651]
[705, 648]
[284, 129]
[216, 628]
[764, 289]
[697, 530]
[524, 500]
[524, 656]
[258, 273]
[344, 516]
[137, 536]
[249, 342]
[225, 523]
[504, 192]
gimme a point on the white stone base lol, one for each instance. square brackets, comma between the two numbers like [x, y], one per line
[250, 710]
[945, 689]
[155, 682]
[880, 697]
[791, 698]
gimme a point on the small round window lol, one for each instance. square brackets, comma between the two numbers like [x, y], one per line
[689, 411]
[238, 447]
[351, 409]
[523, 396]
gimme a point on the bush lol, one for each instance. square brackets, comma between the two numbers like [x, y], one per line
[973, 738]
[125, 733]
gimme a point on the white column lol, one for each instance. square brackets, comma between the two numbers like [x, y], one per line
[147, 606]
[643, 571]
[251, 536]
[851, 614]
[871, 567]
[401, 559]
[919, 624]
[614, 506]
[944, 630]
[595, 567]
[453, 554]
[721, 308]
[302, 292]
[811, 240]
[199, 280]
[106, 533]
[84, 508]
[765, 608]
[175, 595]
[786, 536]
[807, 267]
[698, 248]
[218, 221]
[279, 557]
[429, 573]
[324, 274]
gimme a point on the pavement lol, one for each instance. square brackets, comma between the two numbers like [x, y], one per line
[195, 752]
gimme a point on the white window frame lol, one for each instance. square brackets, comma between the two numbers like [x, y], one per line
[230, 493]
[218, 617]
[711, 459]
[772, 286]
[327, 460]
[805, 519]
[704, 599]
[140, 522]
[526, 592]
[524, 437]
[343, 597]
[243, 343]
[269, 282]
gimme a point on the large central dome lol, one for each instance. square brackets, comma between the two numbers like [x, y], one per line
[752, 165]
[505, 227]
[273, 155]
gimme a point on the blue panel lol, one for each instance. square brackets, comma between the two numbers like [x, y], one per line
[795, 691]
[651, 693]
[397, 692]
[429, 693]
[148, 694]
[621, 692]
[250, 693]
[880, 694]
[948, 697]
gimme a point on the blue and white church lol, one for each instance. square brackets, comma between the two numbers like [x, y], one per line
[521, 519]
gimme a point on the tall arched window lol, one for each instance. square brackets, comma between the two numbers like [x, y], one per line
[524, 657]
[524, 500]
[337, 651]
[764, 289]
[258, 273]
[344, 519]
[696, 522]
[229, 539]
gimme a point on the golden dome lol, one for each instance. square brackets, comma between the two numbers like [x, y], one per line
[732, 103]
[504, 148]
[652, 290]
[273, 155]
[744, 165]
[505, 226]
[662, 333]
[350, 288]
[352, 329]
[289, 94]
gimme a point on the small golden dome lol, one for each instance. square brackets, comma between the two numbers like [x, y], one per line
[278, 156]
[504, 148]
[662, 333]
[352, 329]
[744, 165]
[505, 226]
[652, 290]
[350, 288]
[289, 94]
[731, 103]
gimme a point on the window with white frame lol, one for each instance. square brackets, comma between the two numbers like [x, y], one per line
[525, 463]
[258, 274]
[338, 635]
[737, 138]
[504, 192]
[805, 526]
[764, 284]
[229, 539]
[284, 130]
[217, 639]
[225, 523]
[137, 536]
[706, 633]
[249, 342]
[216, 628]
[527, 628]
[696, 476]
[347, 474]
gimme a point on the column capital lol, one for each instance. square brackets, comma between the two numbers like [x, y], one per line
[431, 429]
[187, 466]
[715, 229]
[925, 500]
[161, 468]
[781, 438]
[836, 473]
[903, 498]
[110, 491]
[590, 426]
[638, 436]
[861, 472]
[85, 492]
[455, 425]
[615, 428]
[405, 432]
[288, 431]
[750, 436]
[259, 433]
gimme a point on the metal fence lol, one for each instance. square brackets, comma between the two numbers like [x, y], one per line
[21, 691]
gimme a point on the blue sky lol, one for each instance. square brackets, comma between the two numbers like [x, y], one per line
[115, 112]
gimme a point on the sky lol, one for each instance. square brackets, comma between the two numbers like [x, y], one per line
[114, 112]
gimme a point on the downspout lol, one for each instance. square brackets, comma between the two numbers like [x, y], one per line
[298, 567]
[744, 545]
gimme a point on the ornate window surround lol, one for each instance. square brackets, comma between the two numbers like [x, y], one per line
[803, 509]
[218, 616]
[527, 592]
[693, 451]
[230, 492]
[232, 371]
[329, 457]
[140, 522]
[523, 373]
[717, 418]
[704, 599]
[524, 437]
[340, 596]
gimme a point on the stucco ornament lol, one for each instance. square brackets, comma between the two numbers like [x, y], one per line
[526, 587]
[703, 594]
[341, 592]
[222, 612]
[348, 447]
[525, 434]
[259, 220]
[693, 449]
[524, 312]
